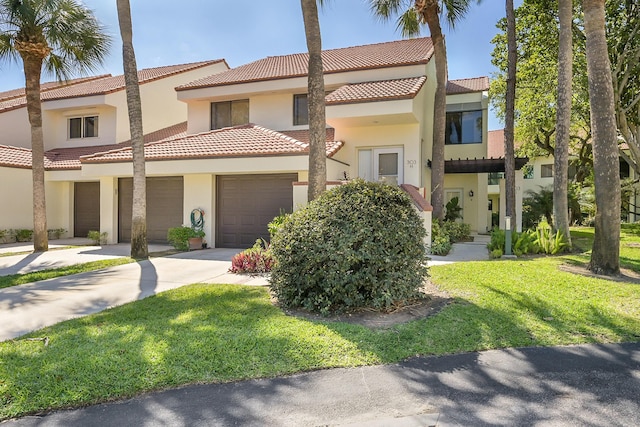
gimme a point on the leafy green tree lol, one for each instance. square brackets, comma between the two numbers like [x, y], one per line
[412, 14]
[61, 37]
[139, 245]
[537, 35]
[316, 94]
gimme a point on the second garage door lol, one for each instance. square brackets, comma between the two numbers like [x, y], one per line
[247, 203]
[164, 207]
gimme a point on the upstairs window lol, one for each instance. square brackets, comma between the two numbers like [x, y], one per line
[83, 127]
[229, 113]
[464, 127]
[300, 109]
[546, 171]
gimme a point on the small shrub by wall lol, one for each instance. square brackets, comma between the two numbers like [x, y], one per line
[357, 245]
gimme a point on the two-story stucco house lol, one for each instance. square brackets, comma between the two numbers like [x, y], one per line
[242, 156]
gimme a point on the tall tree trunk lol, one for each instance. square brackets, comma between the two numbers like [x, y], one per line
[605, 254]
[509, 146]
[32, 71]
[317, 120]
[432, 16]
[563, 120]
[139, 246]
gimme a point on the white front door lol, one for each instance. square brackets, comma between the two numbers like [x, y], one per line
[381, 164]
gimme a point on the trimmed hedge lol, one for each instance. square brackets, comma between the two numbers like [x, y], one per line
[357, 245]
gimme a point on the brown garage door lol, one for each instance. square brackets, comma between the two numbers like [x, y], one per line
[164, 207]
[247, 203]
[86, 208]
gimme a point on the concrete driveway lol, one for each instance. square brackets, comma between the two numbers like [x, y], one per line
[29, 307]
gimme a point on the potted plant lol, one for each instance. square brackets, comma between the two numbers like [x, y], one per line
[185, 238]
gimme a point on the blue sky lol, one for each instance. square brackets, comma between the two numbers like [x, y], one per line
[173, 32]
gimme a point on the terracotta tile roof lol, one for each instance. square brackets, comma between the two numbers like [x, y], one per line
[175, 131]
[477, 84]
[15, 157]
[385, 90]
[381, 55]
[69, 158]
[116, 83]
[302, 135]
[495, 144]
[18, 93]
[240, 141]
[102, 85]
[417, 198]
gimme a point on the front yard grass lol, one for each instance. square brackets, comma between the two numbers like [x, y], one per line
[21, 279]
[217, 333]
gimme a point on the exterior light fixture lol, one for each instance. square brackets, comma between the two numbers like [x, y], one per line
[470, 193]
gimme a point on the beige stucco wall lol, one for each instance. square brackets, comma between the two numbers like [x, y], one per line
[537, 181]
[239, 165]
[18, 212]
[55, 124]
[15, 128]
[474, 209]
[16, 195]
[405, 136]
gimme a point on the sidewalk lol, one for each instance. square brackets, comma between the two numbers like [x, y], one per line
[465, 251]
[33, 306]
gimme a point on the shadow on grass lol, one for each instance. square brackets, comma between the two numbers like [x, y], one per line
[202, 334]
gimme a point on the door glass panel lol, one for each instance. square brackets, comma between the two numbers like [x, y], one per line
[388, 168]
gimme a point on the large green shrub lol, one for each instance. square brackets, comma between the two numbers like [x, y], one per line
[179, 236]
[357, 245]
[457, 231]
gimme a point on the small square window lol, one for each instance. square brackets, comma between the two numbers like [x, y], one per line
[83, 127]
[229, 113]
[546, 171]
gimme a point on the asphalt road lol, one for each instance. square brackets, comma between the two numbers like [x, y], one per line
[592, 385]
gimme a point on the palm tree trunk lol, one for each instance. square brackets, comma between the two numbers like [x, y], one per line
[563, 120]
[605, 254]
[432, 17]
[32, 71]
[510, 100]
[139, 246]
[317, 119]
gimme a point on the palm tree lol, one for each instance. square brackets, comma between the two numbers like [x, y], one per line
[139, 246]
[605, 253]
[509, 116]
[563, 120]
[59, 36]
[316, 94]
[413, 14]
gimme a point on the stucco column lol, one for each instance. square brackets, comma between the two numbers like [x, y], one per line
[503, 203]
[109, 208]
[481, 197]
[199, 193]
[519, 191]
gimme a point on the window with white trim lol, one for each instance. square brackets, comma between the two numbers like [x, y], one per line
[82, 127]
[381, 164]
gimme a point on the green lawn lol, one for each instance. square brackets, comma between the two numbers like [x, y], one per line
[216, 333]
[21, 279]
